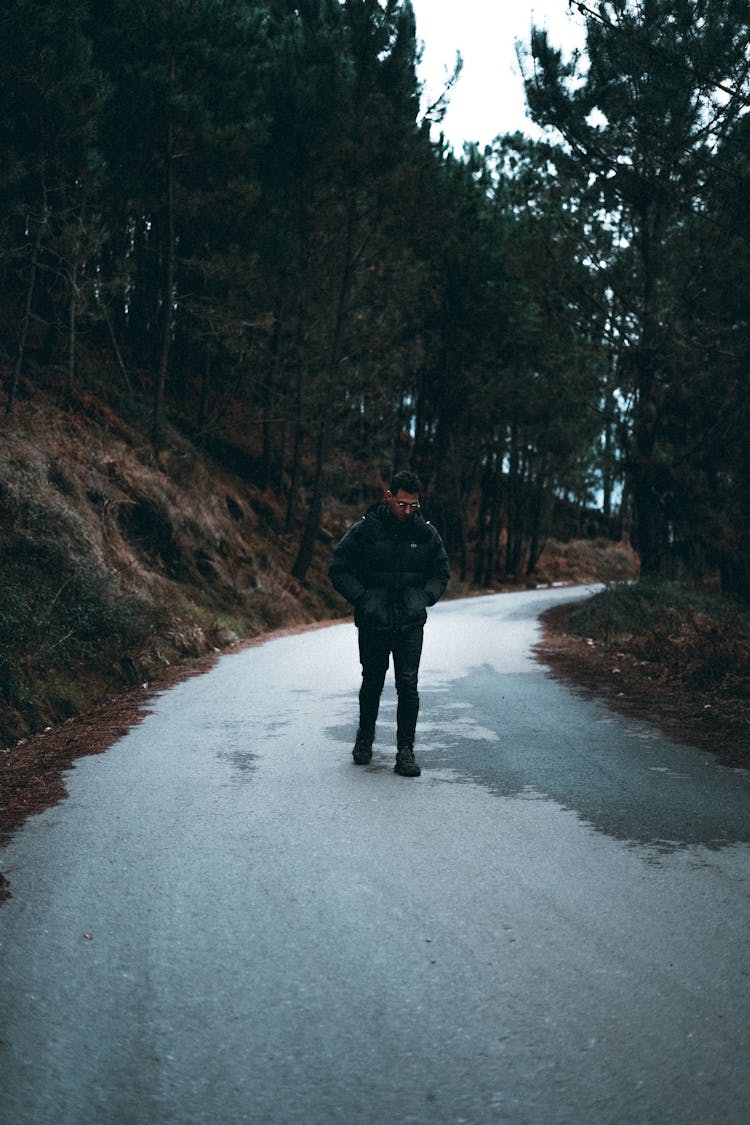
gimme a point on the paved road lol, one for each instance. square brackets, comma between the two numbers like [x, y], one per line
[228, 922]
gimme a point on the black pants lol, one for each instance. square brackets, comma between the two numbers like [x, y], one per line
[375, 647]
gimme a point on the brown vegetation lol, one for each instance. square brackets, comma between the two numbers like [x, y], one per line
[685, 669]
[116, 567]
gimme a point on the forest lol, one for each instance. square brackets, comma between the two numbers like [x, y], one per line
[236, 219]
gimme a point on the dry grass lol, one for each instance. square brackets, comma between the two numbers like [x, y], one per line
[676, 657]
[115, 567]
[587, 560]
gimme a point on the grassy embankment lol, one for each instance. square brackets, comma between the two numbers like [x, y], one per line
[675, 656]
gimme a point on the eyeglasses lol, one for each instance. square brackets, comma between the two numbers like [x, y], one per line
[405, 506]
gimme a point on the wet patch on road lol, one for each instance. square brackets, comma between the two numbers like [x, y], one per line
[524, 736]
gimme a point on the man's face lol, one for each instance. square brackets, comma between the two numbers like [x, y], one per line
[403, 504]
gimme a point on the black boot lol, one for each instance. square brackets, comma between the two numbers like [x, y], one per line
[406, 763]
[362, 752]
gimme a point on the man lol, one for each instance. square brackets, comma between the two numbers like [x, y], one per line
[391, 565]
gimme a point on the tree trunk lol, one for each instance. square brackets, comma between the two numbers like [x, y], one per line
[73, 304]
[480, 552]
[267, 396]
[312, 524]
[648, 486]
[157, 424]
[118, 353]
[514, 535]
[17, 366]
[539, 520]
[299, 431]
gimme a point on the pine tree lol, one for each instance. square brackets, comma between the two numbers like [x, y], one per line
[664, 82]
[52, 95]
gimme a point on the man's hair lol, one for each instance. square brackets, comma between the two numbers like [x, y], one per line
[407, 482]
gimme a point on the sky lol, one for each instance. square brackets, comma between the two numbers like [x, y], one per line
[488, 98]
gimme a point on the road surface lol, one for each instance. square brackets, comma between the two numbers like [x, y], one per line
[228, 922]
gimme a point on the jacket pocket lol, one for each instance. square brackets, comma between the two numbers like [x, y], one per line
[372, 610]
[414, 602]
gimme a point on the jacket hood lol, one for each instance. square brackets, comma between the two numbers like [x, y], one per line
[415, 525]
[376, 510]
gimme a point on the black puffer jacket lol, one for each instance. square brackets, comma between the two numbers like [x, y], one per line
[390, 570]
